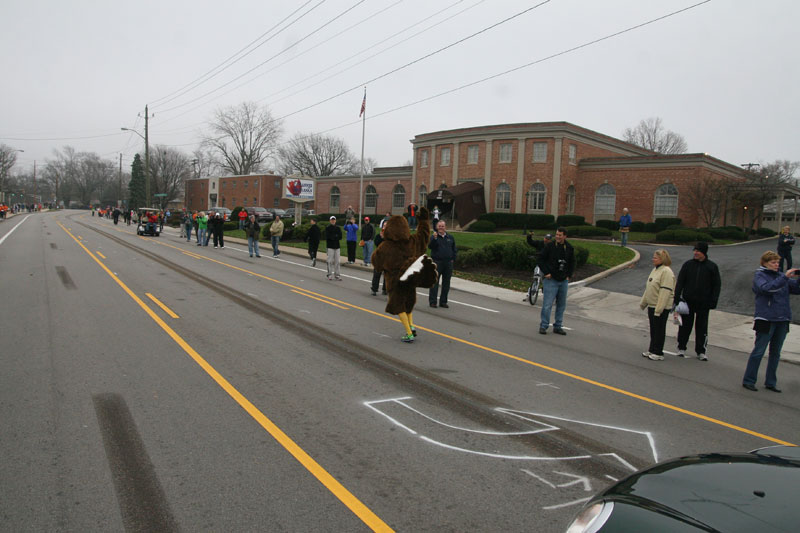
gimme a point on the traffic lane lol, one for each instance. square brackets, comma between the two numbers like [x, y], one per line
[296, 364]
[190, 438]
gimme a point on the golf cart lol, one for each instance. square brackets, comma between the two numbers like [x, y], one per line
[144, 227]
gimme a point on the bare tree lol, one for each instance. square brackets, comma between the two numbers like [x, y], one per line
[762, 186]
[92, 176]
[8, 158]
[169, 170]
[650, 134]
[316, 155]
[243, 137]
[204, 164]
[707, 197]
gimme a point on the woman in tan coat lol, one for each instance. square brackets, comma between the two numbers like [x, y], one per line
[657, 299]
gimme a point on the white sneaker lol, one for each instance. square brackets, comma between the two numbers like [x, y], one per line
[702, 357]
[681, 353]
[654, 357]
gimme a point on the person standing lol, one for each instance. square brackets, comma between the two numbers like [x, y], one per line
[785, 243]
[698, 285]
[385, 219]
[333, 238]
[436, 214]
[351, 228]
[242, 218]
[253, 231]
[313, 237]
[349, 213]
[376, 274]
[412, 216]
[167, 214]
[368, 237]
[275, 233]
[772, 317]
[218, 224]
[656, 299]
[202, 228]
[443, 253]
[624, 227]
[557, 262]
[187, 223]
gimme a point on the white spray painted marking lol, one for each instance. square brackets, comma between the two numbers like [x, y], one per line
[560, 505]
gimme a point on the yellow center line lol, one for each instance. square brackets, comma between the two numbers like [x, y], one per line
[320, 299]
[101, 255]
[336, 488]
[516, 358]
[161, 305]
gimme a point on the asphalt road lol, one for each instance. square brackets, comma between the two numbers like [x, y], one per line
[272, 399]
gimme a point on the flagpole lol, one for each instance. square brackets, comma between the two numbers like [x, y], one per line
[361, 182]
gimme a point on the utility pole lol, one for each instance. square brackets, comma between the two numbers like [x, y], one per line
[146, 158]
[119, 195]
[35, 189]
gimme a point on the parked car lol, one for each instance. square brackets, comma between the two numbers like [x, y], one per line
[277, 211]
[752, 491]
[262, 214]
[306, 212]
[224, 211]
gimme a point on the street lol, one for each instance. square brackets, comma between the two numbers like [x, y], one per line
[148, 383]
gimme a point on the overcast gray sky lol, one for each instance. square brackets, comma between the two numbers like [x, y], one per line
[722, 74]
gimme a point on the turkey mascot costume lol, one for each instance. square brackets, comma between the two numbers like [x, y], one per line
[401, 257]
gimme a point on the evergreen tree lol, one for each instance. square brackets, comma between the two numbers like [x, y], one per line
[136, 187]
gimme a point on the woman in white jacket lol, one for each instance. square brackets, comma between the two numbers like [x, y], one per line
[656, 299]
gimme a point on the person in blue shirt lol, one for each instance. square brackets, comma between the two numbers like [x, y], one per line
[352, 239]
[443, 253]
[624, 226]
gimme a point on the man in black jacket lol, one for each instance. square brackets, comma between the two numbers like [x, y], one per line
[312, 237]
[698, 285]
[333, 237]
[443, 253]
[557, 261]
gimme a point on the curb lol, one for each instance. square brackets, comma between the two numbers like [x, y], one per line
[612, 270]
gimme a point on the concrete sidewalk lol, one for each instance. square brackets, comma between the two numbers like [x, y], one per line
[726, 330]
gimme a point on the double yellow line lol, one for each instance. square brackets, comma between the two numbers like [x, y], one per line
[336, 488]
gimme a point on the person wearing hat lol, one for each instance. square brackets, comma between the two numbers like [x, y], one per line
[539, 245]
[333, 238]
[368, 240]
[698, 285]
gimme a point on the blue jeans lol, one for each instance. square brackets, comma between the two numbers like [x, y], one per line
[275, 240]
[201, 236]
[369, 246]
[241, 224]
[774, 338]
[624, 238]
[252, 246]
[445, 269]
[188, 233]
[553, 290]
[412, 222]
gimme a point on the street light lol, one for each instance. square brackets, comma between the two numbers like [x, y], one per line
[146, 163]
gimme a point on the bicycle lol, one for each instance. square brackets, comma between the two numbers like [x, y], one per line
[536, 284]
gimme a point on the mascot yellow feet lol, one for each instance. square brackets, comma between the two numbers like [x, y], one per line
[405, 318]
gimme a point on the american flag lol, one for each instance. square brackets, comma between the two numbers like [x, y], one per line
[363, 104]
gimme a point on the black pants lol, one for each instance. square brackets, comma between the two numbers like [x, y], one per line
[658, 330]
[445, 269]
[785, 256]
[312, 249]
[351, 251]
[218, 238]
[376, 278]
[697, 317]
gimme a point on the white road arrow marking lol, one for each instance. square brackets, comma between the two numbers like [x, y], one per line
[587, 486]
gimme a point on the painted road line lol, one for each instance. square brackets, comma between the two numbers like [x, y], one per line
[2, 240]
[158, 302]
[101, 255]
[520, 359]
[336, 488]
[301, 293]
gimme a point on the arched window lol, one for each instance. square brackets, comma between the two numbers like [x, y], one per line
[571, 199]
[334, 199]
[666, 204]
[502, 201]
[605, 201]
[398, 197]
[536, 198]
[423, 195]
[371, 198]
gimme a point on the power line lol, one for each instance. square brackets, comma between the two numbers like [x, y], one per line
[223, 66]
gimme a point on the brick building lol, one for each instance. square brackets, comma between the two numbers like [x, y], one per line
[262, 190]
[548, 167]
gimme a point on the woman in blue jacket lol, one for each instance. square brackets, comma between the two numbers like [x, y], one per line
[772, 316]
[785, 243]
[352, 238]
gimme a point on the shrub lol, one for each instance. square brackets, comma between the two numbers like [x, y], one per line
[683, 236]
[650, 227]
[677, 226]
[471, 258]
[494, 251]
[637, 226]
[235, 213]
[230, 226]
[732, 233]
[587, 231]
[664, 223]
[482, 226]
[570, 220]
[612, 225]
[765, 232]
[299, 232]
[581, 255]
[516, 255]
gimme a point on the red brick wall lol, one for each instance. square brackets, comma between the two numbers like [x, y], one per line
[467, 171]
[348, 194]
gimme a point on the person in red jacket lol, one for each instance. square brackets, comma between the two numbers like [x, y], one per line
[152, 220]
[242, 218]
